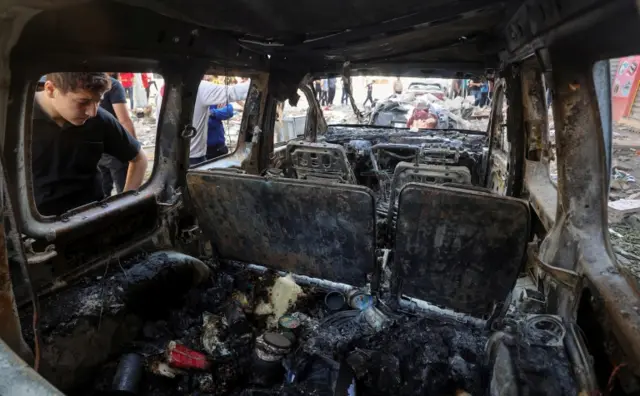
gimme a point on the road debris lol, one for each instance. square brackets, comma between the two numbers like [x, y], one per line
[620, 209]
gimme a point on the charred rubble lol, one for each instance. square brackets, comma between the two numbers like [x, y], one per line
[170, 324]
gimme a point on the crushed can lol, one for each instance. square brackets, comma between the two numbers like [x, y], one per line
[359, 300]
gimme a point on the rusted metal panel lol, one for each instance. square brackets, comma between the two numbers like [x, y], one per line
[10, 329]
[579, 239]
[459, 249]
[316, 229]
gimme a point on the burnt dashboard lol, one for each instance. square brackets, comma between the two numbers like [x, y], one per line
[385, 159]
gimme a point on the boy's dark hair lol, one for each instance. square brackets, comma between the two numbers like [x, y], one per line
[70, 82]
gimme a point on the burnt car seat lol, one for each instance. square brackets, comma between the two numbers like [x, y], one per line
[321, 230]
[459, 249]
[407, 172]
[469, 187]
[320, 162]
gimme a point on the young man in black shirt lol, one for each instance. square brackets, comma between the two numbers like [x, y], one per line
[69, 135]
[112, 170]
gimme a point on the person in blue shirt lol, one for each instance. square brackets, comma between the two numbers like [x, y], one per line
[325, 92]
[216, 143]
[331, 82]
[484, 93]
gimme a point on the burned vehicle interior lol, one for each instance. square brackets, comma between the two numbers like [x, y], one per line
[353, 260]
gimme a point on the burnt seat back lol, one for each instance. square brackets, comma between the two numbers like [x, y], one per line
[309, 228]
[459, 249]
[468, 187]
[320, 162]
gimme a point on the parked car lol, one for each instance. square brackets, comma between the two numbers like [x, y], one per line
[421, 88]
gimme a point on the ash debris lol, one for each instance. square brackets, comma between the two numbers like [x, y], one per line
[421, 356]
[199, 332]
[214, 318]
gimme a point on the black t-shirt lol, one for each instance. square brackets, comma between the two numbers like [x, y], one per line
[113, 96]
[64, 159]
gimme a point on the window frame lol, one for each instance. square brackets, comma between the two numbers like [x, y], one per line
[17, 151]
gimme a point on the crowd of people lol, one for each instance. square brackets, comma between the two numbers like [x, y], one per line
[325, 90]
[84, 140]
[480, 89]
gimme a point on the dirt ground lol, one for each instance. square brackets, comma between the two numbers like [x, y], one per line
[625, 235]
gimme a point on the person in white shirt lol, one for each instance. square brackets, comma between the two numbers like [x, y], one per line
[397, 86]
[210, 94]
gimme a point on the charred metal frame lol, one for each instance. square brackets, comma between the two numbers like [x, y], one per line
[509, 165]
[161, 199]
[10, 328]
[542, 193]
[576, 254]
[577, 241]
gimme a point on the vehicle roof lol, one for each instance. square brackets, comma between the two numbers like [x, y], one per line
[439, 38]
[368, 34]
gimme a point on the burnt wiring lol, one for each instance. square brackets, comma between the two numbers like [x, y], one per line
[14, 236]
[611, 383]
[384, 179]
[104, 281]
[398, 156]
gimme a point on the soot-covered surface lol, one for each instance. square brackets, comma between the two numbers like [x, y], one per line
[419, 356]
[320, 230]
[471, 246]
[329, 346]
[226, 315]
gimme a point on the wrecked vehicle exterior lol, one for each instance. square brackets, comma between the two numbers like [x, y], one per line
[435, 88]
[357, 260]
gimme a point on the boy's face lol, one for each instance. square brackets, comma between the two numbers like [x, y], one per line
[76, 107]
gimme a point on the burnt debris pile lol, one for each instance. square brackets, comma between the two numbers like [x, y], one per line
[241, 332]
[171, 325]
[420, 356]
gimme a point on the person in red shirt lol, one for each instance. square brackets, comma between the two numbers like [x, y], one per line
[147, 82]
[126, 79]
[422, 117]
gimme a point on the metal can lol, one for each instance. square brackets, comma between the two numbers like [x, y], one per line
[267, 366]
[359, 300]
[289, 327]
[334, 301]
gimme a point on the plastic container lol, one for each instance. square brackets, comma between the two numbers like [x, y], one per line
[179, 356]
[334, 301]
